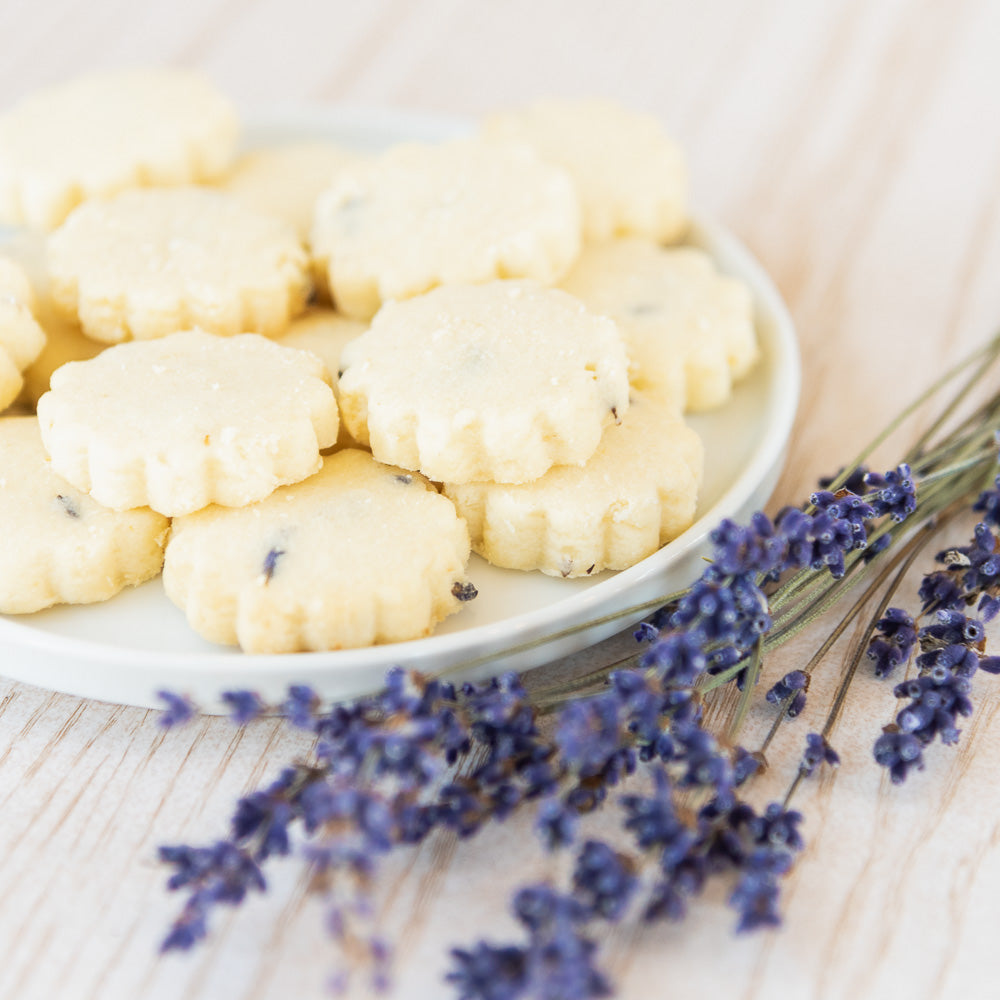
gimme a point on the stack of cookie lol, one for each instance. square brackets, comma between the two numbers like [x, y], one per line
[512, 345]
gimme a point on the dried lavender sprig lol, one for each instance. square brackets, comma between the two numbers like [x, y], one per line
[952, 649]
[671, 861]
[376, 782]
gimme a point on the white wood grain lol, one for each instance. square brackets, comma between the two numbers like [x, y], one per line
[855, 146]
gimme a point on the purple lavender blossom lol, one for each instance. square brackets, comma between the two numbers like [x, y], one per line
[603, 879]
[793, 685]
[223, 873]
[988, 505]
[489, 972]
[818, 751]
[895, 637]
[645, 632]
[756, 548]
[302, 706]
[897, 493]
[940, 590]
[244, 706]
[900, 753]
[951, 647]
[179, 709]
[745, 764]
[398, 742]
[756, 894]
[653, 822]
[556, 823]
[556, 960]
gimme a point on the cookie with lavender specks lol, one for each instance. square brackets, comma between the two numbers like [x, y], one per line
[498, 382]
[637, 492]
[688, 328]
[187, 420]
[361, 553]
[467, 211]
[60, 545]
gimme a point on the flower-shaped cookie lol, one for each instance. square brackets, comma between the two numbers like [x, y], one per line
[360, 553]
[187, 420]
[498, 381]
[636, 493]
[689, 330]
[466, 211]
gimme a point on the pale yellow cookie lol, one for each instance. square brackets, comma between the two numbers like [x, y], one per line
[148, 263]
[637, 492]
[99, 134]
[497, 381]
[467, 211]
[630, 175]
[21, 338]
[285, 181]
[187, 420]
[360, 553]
[325, 333]
[689, 330]
[60, 546]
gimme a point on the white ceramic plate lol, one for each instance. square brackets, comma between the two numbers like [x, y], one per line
[128, 648]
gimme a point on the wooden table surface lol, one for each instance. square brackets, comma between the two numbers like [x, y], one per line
[855, 147]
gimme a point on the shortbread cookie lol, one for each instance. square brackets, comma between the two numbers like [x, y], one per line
[285, 181]
[466, 211]
[60, 546]
[497, 381]
[630, 176]
[689, 330]
[148, 263]
[637, 492]
[360, 553]
[325, 333]
[21, 338]
[103, 133]
[178, 423]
